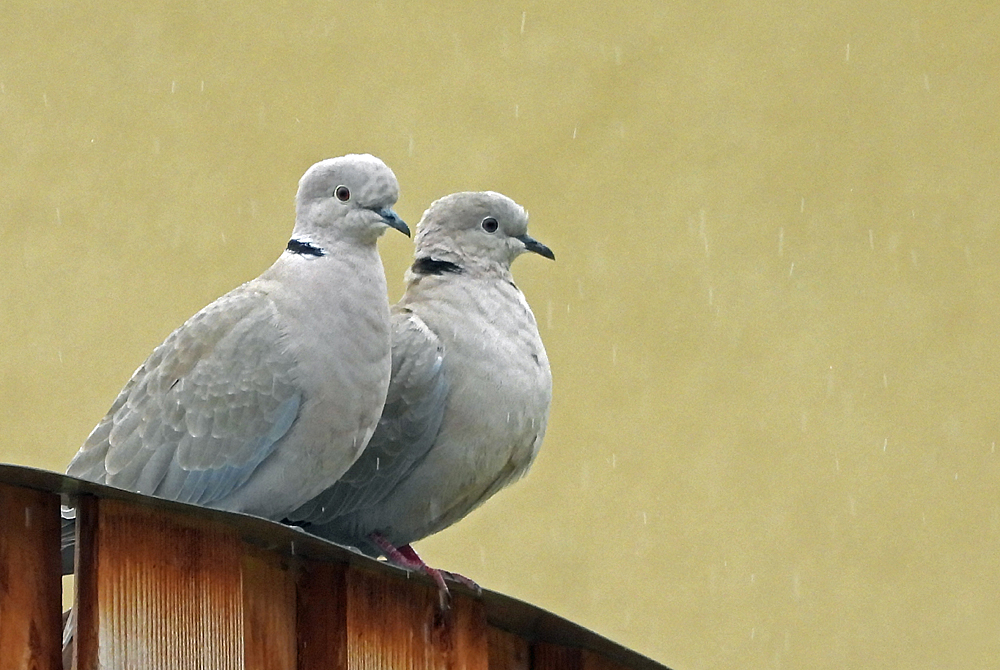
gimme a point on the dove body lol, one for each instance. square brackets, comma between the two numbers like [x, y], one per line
[268, 395]
[469, 398]
[496, 413]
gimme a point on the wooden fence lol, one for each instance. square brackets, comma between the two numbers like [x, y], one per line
[165, 585]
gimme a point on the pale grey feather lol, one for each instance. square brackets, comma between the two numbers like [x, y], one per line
[409, 424]
[265, 397]
[495, 383]
[203, 411]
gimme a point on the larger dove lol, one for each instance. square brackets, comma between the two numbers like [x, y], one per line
[469, 398]
[266, 397]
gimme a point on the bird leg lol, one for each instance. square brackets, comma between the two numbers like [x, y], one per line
[406, 557]
[411, 554]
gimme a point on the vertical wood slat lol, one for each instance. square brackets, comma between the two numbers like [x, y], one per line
[555, 657]
[397, 626]
[547, 656]
[156, 588]
[322, 617]
[85, 637]
[269, 612]
[30, 581]
[508, 651]
[592, 661]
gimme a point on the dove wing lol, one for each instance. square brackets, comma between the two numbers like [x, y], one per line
[204, 410]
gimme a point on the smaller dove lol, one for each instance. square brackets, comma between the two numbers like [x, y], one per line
[469, 395]
[265, 397]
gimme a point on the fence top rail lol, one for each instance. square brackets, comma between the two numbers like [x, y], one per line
[515, 616]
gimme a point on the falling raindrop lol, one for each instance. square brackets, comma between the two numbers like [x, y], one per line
[702, 233]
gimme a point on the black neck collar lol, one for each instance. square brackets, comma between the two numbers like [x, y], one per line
[304, 248]
[432, 266]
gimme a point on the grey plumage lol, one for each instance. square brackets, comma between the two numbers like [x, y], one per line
[469, 396]
[266, 396]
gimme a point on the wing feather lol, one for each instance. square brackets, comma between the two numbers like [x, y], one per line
[207, 407]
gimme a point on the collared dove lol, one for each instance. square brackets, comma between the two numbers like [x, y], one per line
[266, 397]
[470, 391]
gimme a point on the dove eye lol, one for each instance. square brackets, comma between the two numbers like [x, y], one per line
[490, 224]
[343, 193]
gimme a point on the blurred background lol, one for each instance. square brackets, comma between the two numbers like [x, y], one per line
[771, 323]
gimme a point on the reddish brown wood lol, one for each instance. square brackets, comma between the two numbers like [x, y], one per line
[397, 625]
[168, 587]
[85, 610]
[547, 656]
[30, 584]
[592, 661]
[322, 616]
[157, 588]
[507, 651]
[269, 636]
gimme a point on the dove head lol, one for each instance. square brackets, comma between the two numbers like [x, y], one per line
[346, 198]
[482, 230]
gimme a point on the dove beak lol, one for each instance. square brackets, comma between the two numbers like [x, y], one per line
[531, 244]
[393, 221]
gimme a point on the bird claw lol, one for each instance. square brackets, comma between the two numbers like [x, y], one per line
[464, 581]
[406, 557]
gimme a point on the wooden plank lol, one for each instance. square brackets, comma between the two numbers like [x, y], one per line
[85, 610]
[593, 661]
[322, 616]
[395, 625]
[507, 651]
[547, 656]
[168, 591]
[30, 580]
[269, 612]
